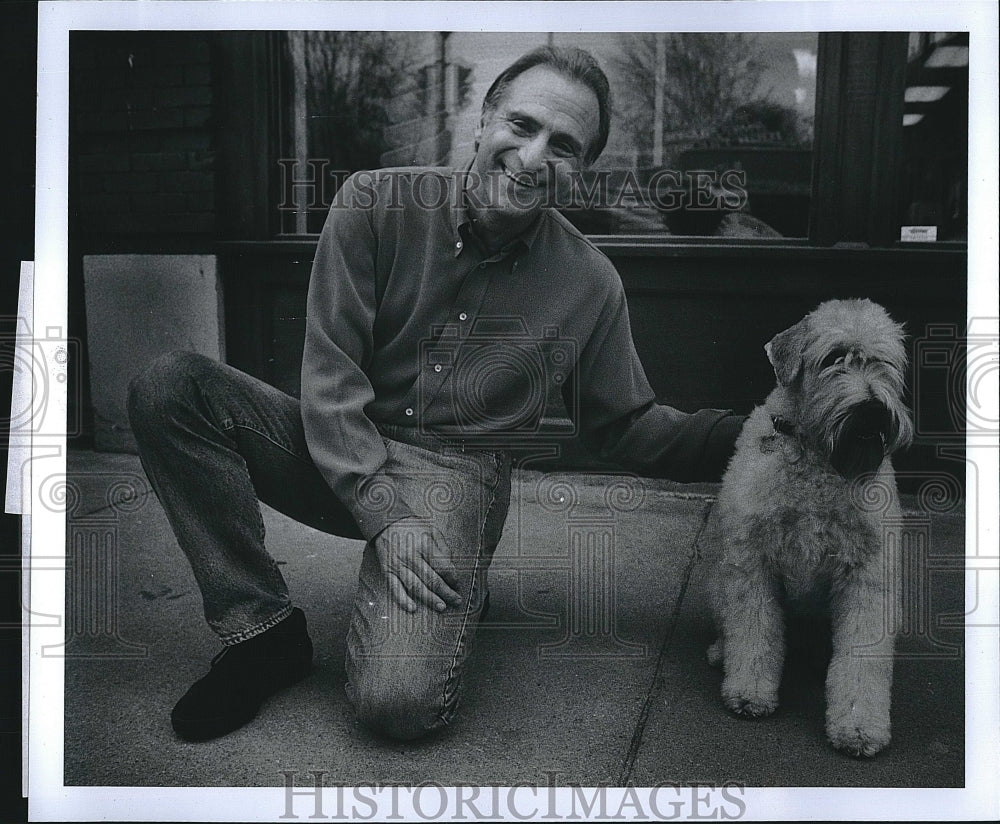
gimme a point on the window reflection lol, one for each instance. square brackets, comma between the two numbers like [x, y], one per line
[722, 124]
[933, 189]
[712, 134]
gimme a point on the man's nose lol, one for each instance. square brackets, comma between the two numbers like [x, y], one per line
[533, 153]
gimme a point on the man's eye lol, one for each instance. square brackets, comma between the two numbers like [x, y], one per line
[564, 150]
[519, 126]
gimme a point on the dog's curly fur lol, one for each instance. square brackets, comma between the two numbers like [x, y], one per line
[808, 514]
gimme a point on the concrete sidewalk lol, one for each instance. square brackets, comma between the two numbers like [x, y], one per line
[590, 669]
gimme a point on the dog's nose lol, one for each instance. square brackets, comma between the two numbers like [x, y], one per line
[860, 447]
[871, 418]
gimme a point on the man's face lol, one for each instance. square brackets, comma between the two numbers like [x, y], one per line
[531, 142]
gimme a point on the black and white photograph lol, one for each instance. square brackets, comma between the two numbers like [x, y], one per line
[507, 411]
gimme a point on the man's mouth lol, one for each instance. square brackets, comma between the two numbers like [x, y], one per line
[524, 179]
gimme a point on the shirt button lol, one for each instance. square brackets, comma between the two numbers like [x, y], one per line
[463, 316]
[409, 412]
[437, 367]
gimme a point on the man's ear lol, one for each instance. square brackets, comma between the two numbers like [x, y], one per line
[785, 351]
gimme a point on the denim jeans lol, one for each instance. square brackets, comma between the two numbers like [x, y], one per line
[215, 441]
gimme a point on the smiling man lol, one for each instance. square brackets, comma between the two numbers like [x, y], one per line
[539, 125]
[436, 329]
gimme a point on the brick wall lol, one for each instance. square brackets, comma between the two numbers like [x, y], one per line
[142, 144]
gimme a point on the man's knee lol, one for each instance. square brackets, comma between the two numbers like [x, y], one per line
[401, 709]
[155, 392]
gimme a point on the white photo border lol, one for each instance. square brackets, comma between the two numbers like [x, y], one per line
[49, 799]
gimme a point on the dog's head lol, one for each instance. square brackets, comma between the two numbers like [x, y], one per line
[844, 364]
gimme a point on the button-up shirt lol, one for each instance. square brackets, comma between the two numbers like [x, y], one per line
[411, 322]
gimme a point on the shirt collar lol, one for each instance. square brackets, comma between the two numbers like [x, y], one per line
[461, 220]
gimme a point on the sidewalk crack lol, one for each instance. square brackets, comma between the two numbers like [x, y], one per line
[628, 768]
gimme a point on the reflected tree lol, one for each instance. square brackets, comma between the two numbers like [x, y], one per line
[350, 86]
[675, 90]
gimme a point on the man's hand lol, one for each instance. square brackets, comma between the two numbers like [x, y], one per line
[417, 566]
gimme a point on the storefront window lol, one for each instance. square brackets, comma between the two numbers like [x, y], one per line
[712, 133]
[933, 191]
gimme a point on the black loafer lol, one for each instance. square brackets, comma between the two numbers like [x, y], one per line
[242, 677]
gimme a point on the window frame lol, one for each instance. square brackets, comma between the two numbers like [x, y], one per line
[858, 136]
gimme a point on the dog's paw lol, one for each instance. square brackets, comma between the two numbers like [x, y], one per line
[858, 741]
[749, 705]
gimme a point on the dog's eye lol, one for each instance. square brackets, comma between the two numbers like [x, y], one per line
[833, 357]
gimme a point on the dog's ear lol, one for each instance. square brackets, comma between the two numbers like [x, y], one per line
[785, 351]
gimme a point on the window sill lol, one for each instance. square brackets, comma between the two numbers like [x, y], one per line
[674, 247]
[784, 248]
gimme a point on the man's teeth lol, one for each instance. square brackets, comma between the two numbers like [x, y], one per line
[520, 180]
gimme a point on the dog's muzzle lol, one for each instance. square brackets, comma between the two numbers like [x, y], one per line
[860, 446]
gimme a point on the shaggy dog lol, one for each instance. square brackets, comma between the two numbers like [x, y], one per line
[808, 514]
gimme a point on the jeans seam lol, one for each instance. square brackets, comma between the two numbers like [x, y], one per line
[228, 426]
[269, 439]
[456, 654]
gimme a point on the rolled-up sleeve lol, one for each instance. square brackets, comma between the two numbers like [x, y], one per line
[618, 418]
[340, 311]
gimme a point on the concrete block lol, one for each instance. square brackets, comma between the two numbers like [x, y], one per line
[138, 307]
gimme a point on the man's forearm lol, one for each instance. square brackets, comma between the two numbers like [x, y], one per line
[660, 441]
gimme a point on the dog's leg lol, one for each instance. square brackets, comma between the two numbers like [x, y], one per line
[752, 641]
[859, 679]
